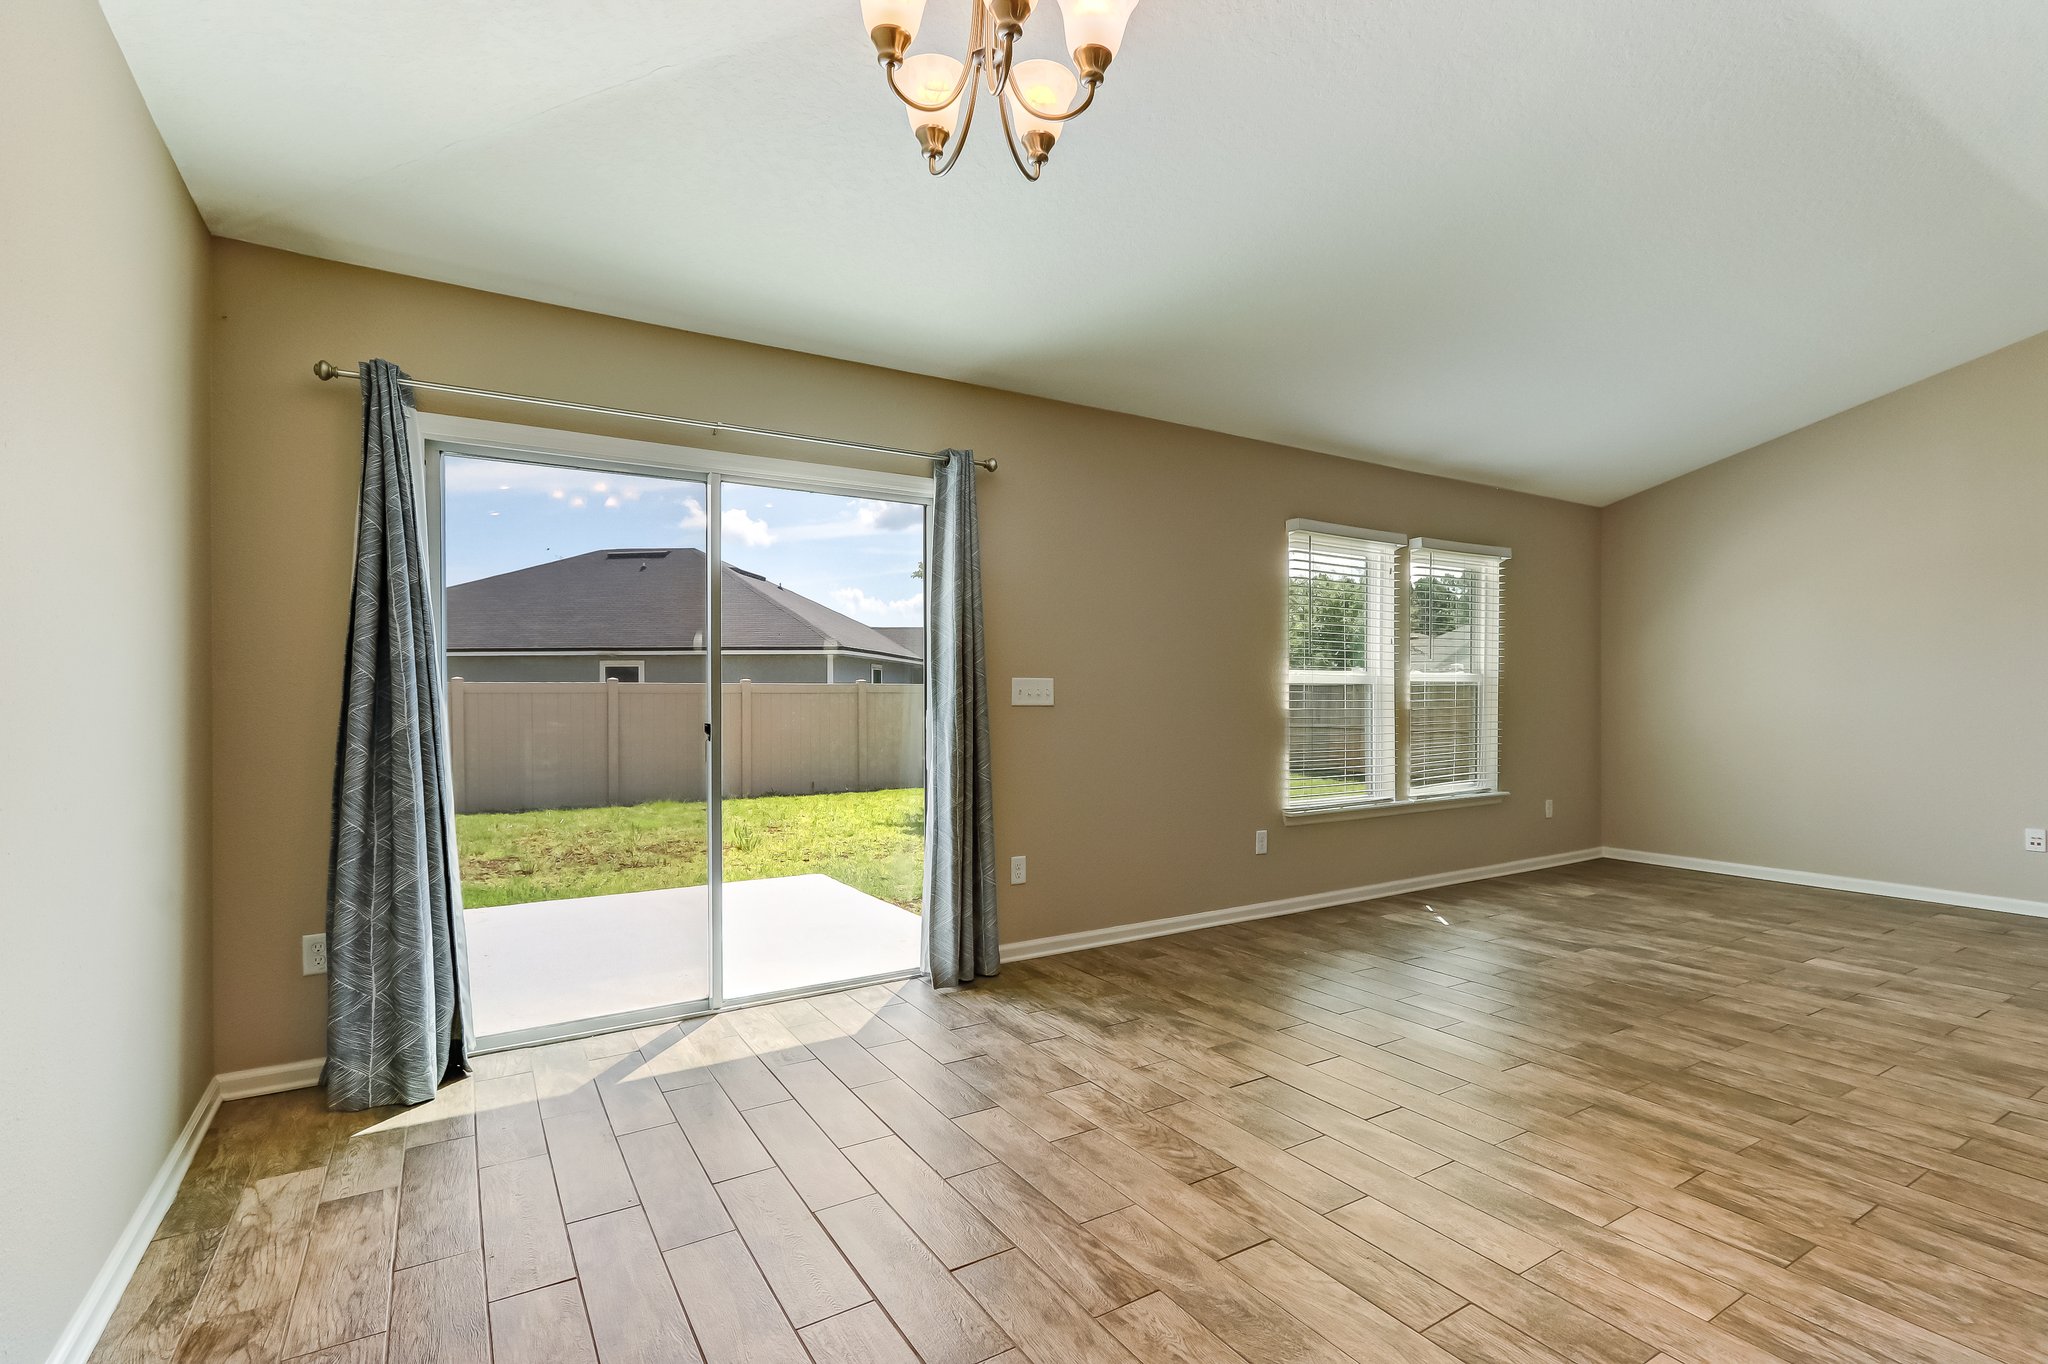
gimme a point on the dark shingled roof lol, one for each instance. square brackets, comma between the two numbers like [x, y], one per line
[909, 636]
[623, 599]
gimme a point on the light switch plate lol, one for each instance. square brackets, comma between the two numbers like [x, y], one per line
[1031, 691]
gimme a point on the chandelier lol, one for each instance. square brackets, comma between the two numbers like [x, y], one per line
[1035, 98]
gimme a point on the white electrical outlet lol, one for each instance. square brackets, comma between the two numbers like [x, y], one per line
[2037, 840]
[1259, 841]
[1031, 691]
[313, 954]
[1016, 871]
[1549, 809]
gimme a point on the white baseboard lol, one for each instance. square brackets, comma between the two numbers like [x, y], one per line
[247, 1084]
[82, 1332]
[1188, 923]
[1962, 899]
[86, 1324]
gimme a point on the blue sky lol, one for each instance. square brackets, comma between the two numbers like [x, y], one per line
[854, 554]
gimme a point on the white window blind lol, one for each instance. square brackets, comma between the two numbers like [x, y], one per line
[1341, 639]
[1451, 633]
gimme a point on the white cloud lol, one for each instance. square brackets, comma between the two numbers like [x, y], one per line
[869, 517]
[878, 611]
[890, 515]
[469, 474]
[737, 525]
[693, 517]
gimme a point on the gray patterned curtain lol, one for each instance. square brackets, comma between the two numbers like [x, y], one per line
[960, 855]
[394, 936]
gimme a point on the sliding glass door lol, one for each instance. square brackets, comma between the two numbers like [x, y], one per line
[574, 614]
[823, 724]
[611, 631]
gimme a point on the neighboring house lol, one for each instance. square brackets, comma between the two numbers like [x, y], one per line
[910, 637]
[638, 615]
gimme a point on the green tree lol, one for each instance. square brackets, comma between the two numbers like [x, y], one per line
[1439, 603]
[1325, 622]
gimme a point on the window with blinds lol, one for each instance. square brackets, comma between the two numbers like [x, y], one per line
[1341, 630]
[1393, 668]
[1453, 656]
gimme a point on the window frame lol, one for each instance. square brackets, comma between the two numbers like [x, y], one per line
[1484, 677]
[1486, 787]
[1381, 550]
[639, 667]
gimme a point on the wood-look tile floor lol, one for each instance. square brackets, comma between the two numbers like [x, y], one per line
[1605, 1114]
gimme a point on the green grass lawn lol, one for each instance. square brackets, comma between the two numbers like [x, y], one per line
[870, 840]
[1304, 786]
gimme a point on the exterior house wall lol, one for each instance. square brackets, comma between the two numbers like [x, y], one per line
[891, 672]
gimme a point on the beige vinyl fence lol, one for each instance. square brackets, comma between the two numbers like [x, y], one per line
[569, 745]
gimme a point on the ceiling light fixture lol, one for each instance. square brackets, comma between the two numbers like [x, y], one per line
[1034, 98]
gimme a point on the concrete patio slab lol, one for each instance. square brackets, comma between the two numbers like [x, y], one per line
[560, 961]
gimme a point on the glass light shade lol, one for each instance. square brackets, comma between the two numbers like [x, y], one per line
[928, 78]
[1046, 85]
[904, 14]
[1096, 23]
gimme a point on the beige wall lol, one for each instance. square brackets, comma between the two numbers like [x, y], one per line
[1140, 564]
[103, 978]
[1830, 653]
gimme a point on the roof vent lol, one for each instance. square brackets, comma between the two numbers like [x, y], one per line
[636, 554]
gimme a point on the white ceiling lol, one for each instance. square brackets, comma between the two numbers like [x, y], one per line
[1572, 246]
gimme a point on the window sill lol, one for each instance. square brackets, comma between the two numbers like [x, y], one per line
[1392, 807]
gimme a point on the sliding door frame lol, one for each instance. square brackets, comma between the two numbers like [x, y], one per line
[436, 435]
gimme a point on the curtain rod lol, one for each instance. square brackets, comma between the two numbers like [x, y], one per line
[324, 371]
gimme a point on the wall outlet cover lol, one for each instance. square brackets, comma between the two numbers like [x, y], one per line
[313, 954]
[1016, 871]
[1259, 841]
[2037, 840]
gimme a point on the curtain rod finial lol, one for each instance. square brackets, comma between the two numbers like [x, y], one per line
[323, 371]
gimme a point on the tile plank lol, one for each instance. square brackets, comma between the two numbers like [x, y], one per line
[673, 1189]
[344, 1288]
[809, 1276]
[730, 1306]
[935, 1314]
[636, 1316]
[525, 1244]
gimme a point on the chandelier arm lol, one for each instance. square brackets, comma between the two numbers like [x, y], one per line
[1075, 112]
[998, 48]
[960, 139]
[1028, 171]
[967, 71]
[1001, 63]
